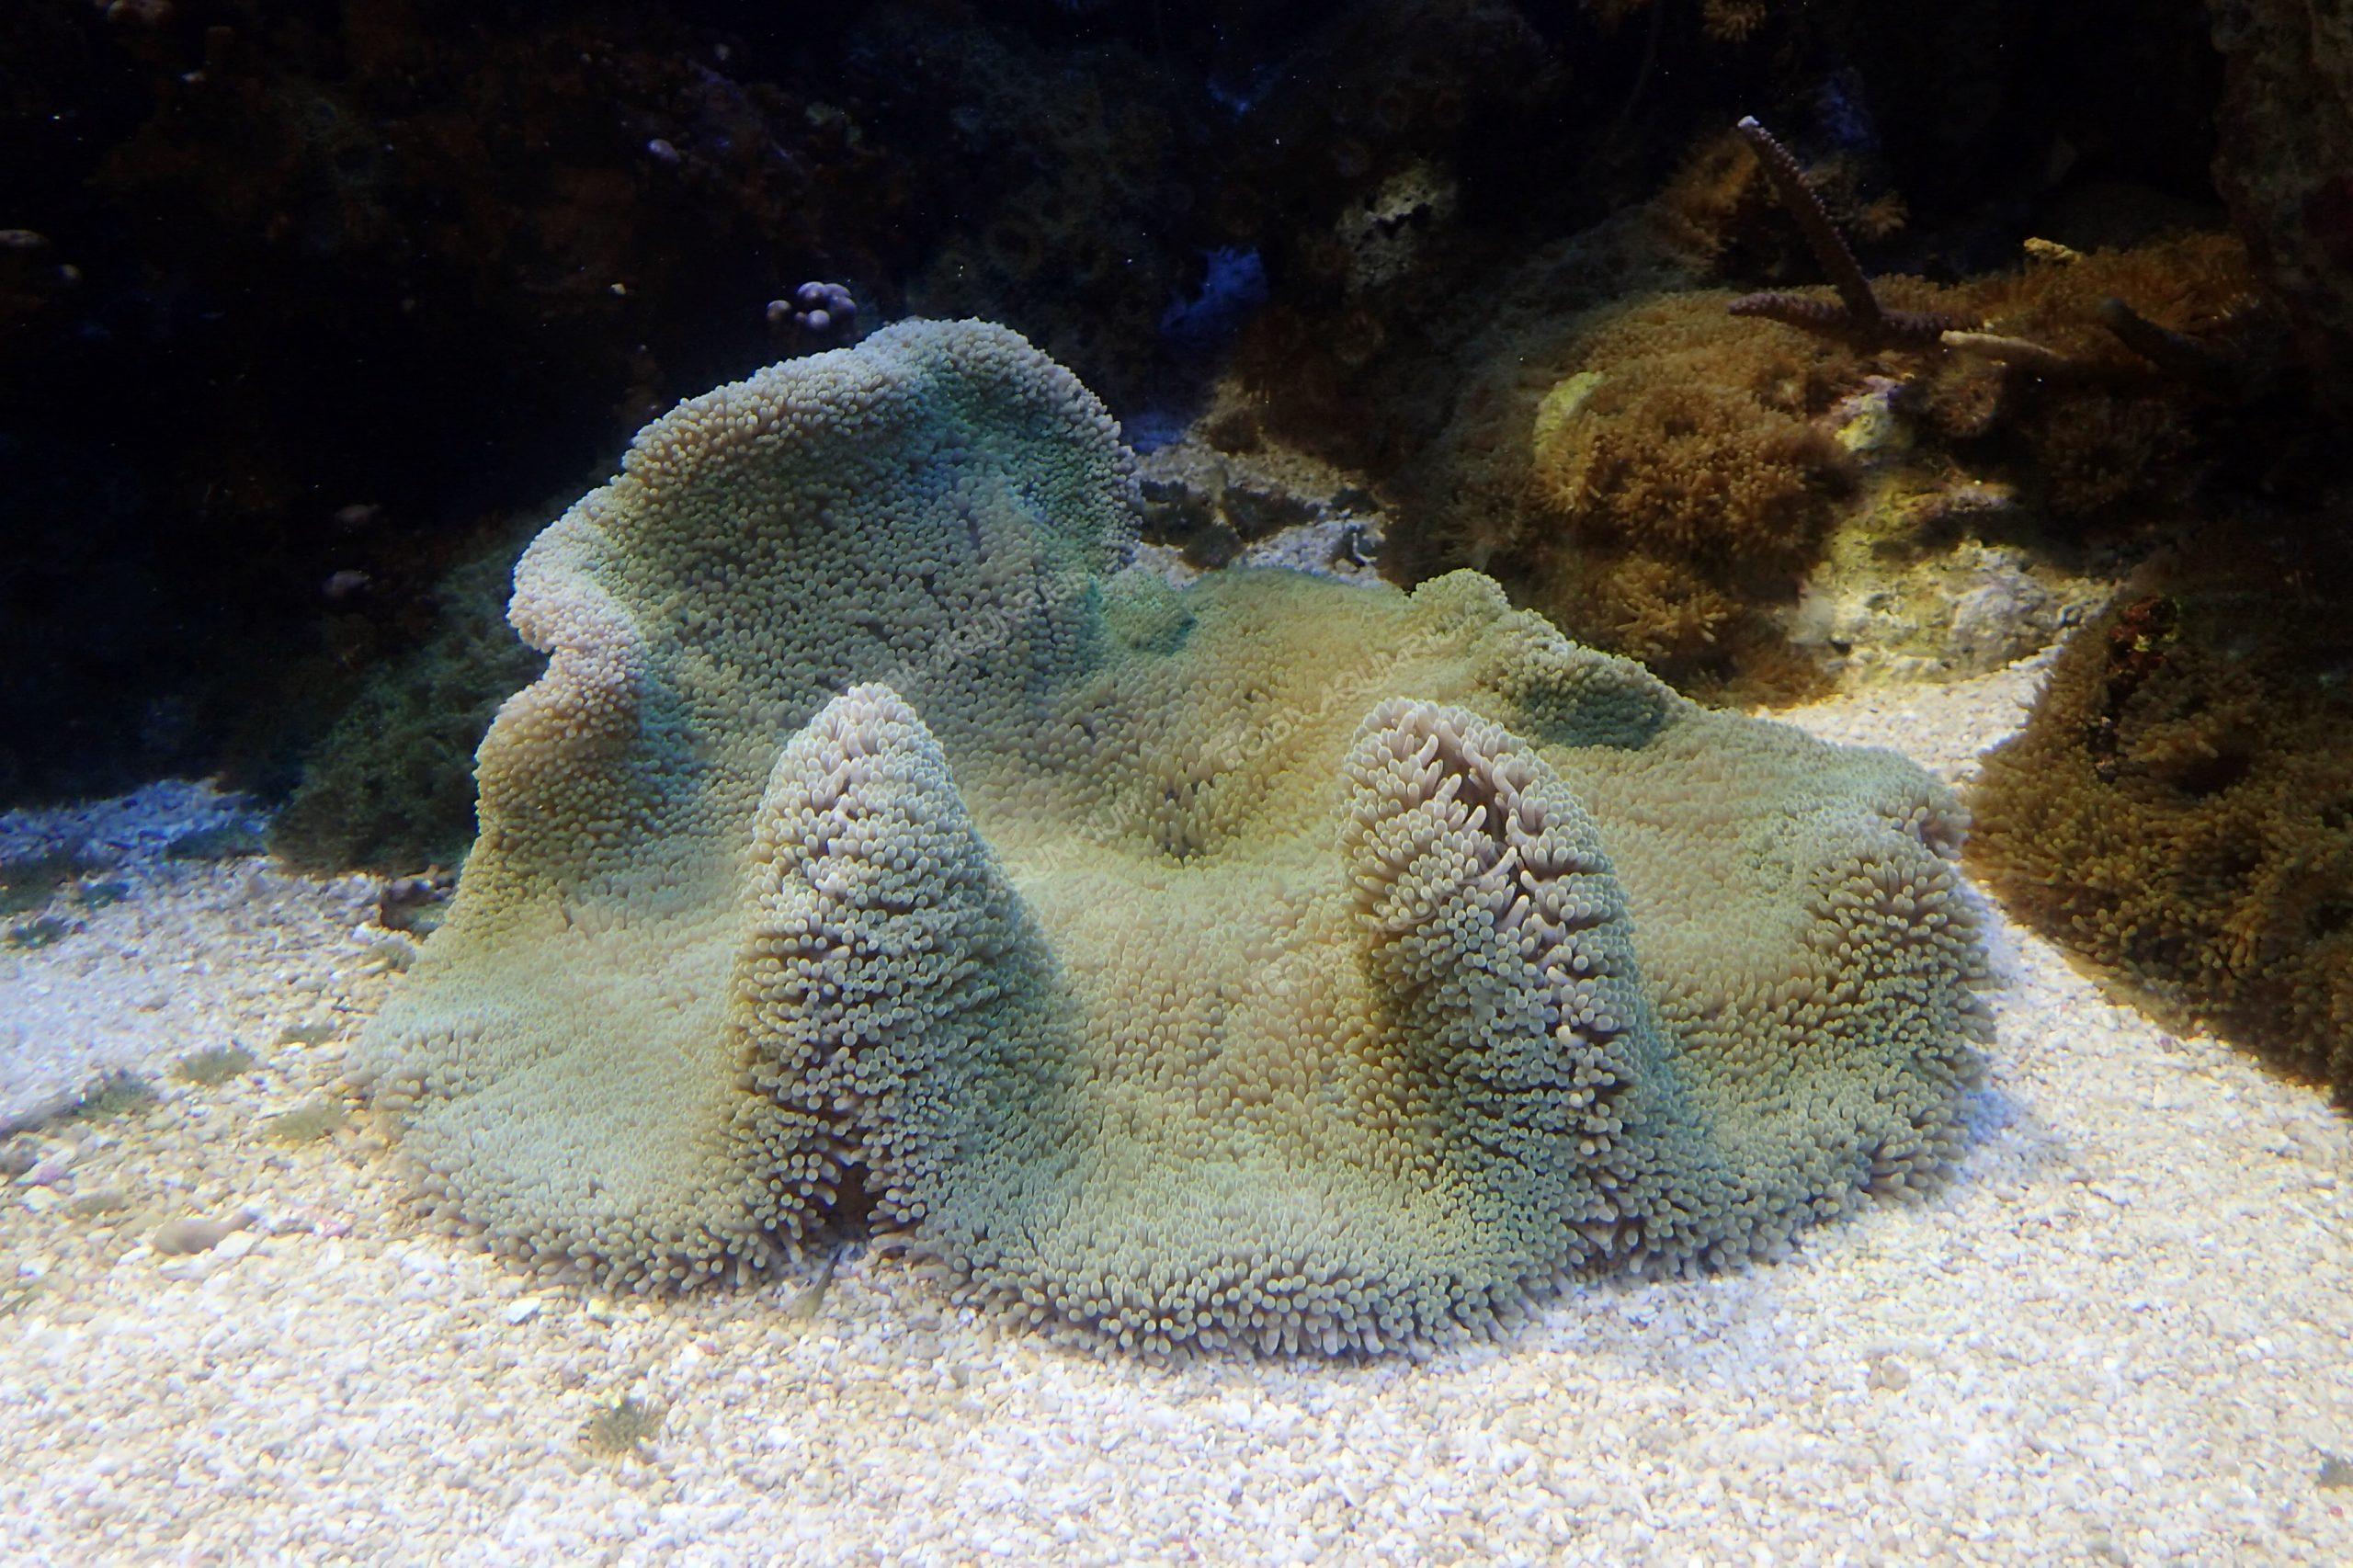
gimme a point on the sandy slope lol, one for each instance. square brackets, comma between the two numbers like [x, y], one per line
[2125, 1334]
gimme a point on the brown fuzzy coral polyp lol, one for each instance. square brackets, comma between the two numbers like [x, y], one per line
[2179, 810]
[1683, 476]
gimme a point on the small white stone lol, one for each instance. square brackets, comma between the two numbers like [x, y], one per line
[190, 1271]
[191, 1234]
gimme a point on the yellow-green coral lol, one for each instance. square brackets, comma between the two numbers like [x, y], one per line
[1280, 962]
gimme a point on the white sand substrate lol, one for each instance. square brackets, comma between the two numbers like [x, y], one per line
[2123, 1335]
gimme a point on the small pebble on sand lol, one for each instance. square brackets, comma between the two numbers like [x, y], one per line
[176, 1238]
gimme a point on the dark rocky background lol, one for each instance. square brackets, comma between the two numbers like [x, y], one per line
[306, 306]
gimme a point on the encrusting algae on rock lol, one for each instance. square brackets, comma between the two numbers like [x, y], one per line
[1276, 962]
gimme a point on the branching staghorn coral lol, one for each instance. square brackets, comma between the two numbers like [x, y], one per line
[1857, 317]
[1279, 962]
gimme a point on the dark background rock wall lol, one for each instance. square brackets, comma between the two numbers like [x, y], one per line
[303, 303]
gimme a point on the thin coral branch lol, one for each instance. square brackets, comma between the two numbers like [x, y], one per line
[1828, 244]
[1829, 318]
[1858, 317]
[2176, 353]
[2018, 353]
